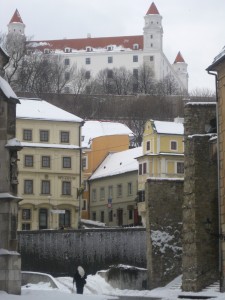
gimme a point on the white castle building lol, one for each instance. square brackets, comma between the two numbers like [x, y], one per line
[95, 54]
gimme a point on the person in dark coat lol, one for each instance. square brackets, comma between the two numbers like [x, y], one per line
[80, 279]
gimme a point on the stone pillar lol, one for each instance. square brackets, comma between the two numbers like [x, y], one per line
[10, 260]
[200, 261]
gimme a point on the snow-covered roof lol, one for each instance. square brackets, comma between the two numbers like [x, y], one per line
[38, 109]
[6, 89]
[164, 127]
[93, 129]
[118, 163]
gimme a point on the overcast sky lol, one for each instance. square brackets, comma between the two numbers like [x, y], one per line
[194, 27]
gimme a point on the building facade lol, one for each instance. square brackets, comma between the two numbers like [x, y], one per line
[113, 189]
[162, 155]
[130, 52]
[98, 139]
[49, 166]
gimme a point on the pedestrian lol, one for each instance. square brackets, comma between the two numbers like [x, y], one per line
[80, 279]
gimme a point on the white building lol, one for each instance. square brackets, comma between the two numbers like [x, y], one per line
[95, 54]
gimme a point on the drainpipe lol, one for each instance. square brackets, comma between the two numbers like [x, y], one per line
[218, 174]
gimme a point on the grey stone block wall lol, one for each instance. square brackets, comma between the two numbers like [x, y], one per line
[164, 198]
[200, 261]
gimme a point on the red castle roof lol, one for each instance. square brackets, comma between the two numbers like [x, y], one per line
[16, 18]
[79, 44]
[179, 58]
[152, 10]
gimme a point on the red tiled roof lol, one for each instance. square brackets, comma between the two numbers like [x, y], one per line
[16, 18]
[152, 10]
[101, 42]
[179, 58]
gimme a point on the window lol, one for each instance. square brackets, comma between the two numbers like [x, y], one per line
[66, 162]
[46, 51]
[135, 73]
[27, 135]
[45, 161]
[28, 161]
[119, 190]
[67, 50]
[135, 58]
[87, 75]
[26, 214]
[67, 75]
[102, 193]
[145, 168]
[110, 216]
[88, 49]
[151, 36]
[45, 187]
[135, 46]
[140, 169]
[173, 145]
[94, 216]
[65, 137]
[102, 217]
[110, 59]
[67, 61]
[110, 74]
[148, 146]
[28, 186]
[110, 191]
[43, 218]
[94, 195]
[129, 188]
[151, 58]
[130, 211]
[180, 168]
[88, 60]
[66, 188]
[84, 162]
[64, 219]
[25, 226]
[44, 135]
[109, 48]
[84, 206]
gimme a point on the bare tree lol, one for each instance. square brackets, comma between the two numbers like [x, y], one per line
[146, 81]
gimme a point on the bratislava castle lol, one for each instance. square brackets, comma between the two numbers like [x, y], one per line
[95, 54]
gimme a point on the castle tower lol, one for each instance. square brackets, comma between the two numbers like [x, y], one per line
[180, 67]
[16, 24]
[153, 31]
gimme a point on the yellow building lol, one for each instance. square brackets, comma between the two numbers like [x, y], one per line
[49, 166]
[98, 139]
[163, 155]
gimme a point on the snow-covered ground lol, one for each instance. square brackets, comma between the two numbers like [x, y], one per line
[98, 289]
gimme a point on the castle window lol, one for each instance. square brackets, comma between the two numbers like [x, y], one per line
[88, 49]
[46, 51]
[109, 74]
[135, 58]
[67, 76]
[88, 61]
[67, 61]
[87, 75]
[151, 45]
[109, 48]
[110, 59]
[67, 50]
[135, 46]
[151, 58]
[151, 36]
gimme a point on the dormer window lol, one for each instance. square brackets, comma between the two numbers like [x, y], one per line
[109, 48]
[46, 51]
[135, 46]
[67, 50]
[88, 49]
